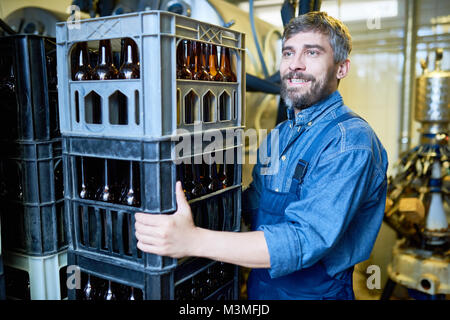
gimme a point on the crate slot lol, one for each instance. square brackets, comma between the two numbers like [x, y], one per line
[77, 106]
[225, 106]
[93, 108]
[191, 108]
[209, 107]
[118, 108]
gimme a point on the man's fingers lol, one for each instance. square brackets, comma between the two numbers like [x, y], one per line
[148, 239]
[149, 248]
[151, 219]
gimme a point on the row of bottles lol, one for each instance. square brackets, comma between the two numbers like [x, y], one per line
[105, 68]
[199, 61]
[204, 283]
[118, 181]
[200, 179]
[94, 288]
[107, 180]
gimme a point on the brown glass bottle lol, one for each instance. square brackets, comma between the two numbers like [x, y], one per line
[214, 73]
[129, 197]
[200, 62]
[183, 55]
[107, 193]
[105, 69]
[130, 65]
[198, 189]
[109, 295]
[88, 293]
[215, 183]
[225, 65]
[83, 70]
[226, 174]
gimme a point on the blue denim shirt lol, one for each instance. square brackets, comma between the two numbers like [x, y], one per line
[341, 201]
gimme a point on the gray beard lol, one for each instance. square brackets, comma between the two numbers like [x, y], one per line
[319, 90]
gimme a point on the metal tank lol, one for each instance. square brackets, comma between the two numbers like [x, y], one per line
[432, 97]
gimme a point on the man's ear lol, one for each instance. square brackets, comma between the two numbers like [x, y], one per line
[343, 69]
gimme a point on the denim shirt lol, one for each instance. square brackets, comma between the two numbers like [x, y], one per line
[341, 201]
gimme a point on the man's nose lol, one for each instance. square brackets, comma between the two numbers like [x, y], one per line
[297, 63]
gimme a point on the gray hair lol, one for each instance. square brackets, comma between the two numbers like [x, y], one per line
[338, 34]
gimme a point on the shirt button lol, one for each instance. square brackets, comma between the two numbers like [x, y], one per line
[276, 189]
[290, 125]
[283, 158]
[309, 123]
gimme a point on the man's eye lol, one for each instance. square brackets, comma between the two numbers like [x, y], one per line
[287, 53]
[312, 53]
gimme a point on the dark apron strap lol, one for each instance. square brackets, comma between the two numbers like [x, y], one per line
[302, 165]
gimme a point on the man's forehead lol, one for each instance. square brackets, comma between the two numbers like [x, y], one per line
[303, 38]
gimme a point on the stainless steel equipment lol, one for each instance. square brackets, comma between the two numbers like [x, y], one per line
[418, 195]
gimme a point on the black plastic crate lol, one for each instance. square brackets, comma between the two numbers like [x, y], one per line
[32, 197]
[198, 279]
[28, 88]
[105, 226]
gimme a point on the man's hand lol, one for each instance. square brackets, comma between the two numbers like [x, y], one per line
[167, 235]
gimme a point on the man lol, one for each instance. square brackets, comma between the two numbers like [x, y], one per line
[320, 213]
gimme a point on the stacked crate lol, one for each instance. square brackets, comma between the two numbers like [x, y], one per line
[102, 241]
[31, 191]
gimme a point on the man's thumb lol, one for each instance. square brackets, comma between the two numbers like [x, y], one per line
[181, 198]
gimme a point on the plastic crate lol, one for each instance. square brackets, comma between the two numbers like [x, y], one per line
[197, 279]
[28, 88]
[36, 278]
[107, 228]
[156, 101]
[32, 197]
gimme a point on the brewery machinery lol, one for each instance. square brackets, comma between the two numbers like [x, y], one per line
[417, 206]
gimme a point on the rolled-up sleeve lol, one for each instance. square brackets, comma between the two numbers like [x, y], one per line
[330, 197]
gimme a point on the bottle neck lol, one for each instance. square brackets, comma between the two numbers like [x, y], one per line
[105, 54]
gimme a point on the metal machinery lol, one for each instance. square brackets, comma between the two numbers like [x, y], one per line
[417, 206]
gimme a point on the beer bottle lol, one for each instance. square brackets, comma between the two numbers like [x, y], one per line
[109, 295]
[214, 181]
[105, 69]
[131, 297]
[198, 189]
[188, 179]
[128, 197]
[183, 71]
[200, 62]
[226, 174]
[214, 73]
[87, 291]
[84, 189]
[83, 70]
[130, 66]
[225, 65]
[106, 194]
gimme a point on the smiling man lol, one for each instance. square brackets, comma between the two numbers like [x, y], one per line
[319, 215]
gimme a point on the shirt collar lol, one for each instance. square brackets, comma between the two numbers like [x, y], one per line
[310, 114]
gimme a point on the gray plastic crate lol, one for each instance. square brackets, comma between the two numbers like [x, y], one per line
[152, 100]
